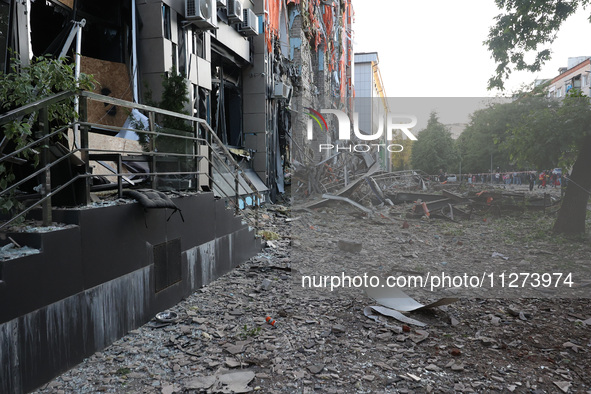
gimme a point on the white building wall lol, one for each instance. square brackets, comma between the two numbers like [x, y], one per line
[577, 76]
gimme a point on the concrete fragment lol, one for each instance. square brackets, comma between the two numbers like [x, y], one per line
[265, 284]
[338, 329]
[563, 386]
[349, 246]
[315, 368]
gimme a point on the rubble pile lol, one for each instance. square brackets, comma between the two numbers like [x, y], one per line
[257, 329]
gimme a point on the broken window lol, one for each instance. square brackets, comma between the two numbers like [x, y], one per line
[107, 31]
[166, 23]
[182, 47]
[50, 25]
[201, 102]
[198, 40]
[577, 82]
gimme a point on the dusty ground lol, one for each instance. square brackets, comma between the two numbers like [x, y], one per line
[323, 342]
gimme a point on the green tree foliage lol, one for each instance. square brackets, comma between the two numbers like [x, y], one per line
[559, 133]
[488, 133]
[401, 160]
[175, 97]
[434, 148]
[526, 27]
[530, 26]
[42, 78]
[536, 136]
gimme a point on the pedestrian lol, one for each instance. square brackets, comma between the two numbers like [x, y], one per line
[546, 178]
[532, 180]
[516, 178]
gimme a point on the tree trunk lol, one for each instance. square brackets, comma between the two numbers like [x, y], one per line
[573, 212]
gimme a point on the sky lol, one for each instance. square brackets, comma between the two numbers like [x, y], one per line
[434, 48]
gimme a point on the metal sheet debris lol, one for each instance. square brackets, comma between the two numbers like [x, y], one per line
[347, 200]
[393, 297]
[392, 313]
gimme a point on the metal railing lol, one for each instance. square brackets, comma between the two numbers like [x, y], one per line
[200, 141]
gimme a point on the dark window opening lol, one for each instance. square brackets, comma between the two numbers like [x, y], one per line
[233, 102]
[201, 104]
[102, 42]
[4, 29]
[50, 26]
[175, 58]
[198, 42]
[182, 47]
[166, 23]
[577, 82]
[167, 264]
[226, 100]
[107, 29]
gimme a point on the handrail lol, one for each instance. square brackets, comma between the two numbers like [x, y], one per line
[128, 104]
[224, 161]
[81, 176]
[43, 199]
[34, 106]
[39, 172]
[31, 144]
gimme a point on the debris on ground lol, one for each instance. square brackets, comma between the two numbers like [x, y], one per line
[336, 341]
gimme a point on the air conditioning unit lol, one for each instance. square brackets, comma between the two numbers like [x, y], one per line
[201, 13]
[282, 91]
[197, 9]
[250, 23]
[234, 11]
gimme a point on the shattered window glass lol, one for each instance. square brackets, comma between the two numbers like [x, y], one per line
[198, 43]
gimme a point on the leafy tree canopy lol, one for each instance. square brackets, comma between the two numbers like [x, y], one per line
[548, 132]
[434, 148]
[530, 26]
[42, 78]
[525, 27]
[479, 141]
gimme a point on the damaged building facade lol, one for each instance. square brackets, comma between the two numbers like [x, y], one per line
[251, 67]
[252, 70]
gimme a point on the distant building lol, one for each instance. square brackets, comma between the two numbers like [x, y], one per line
[370, 98]
[575, 76]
